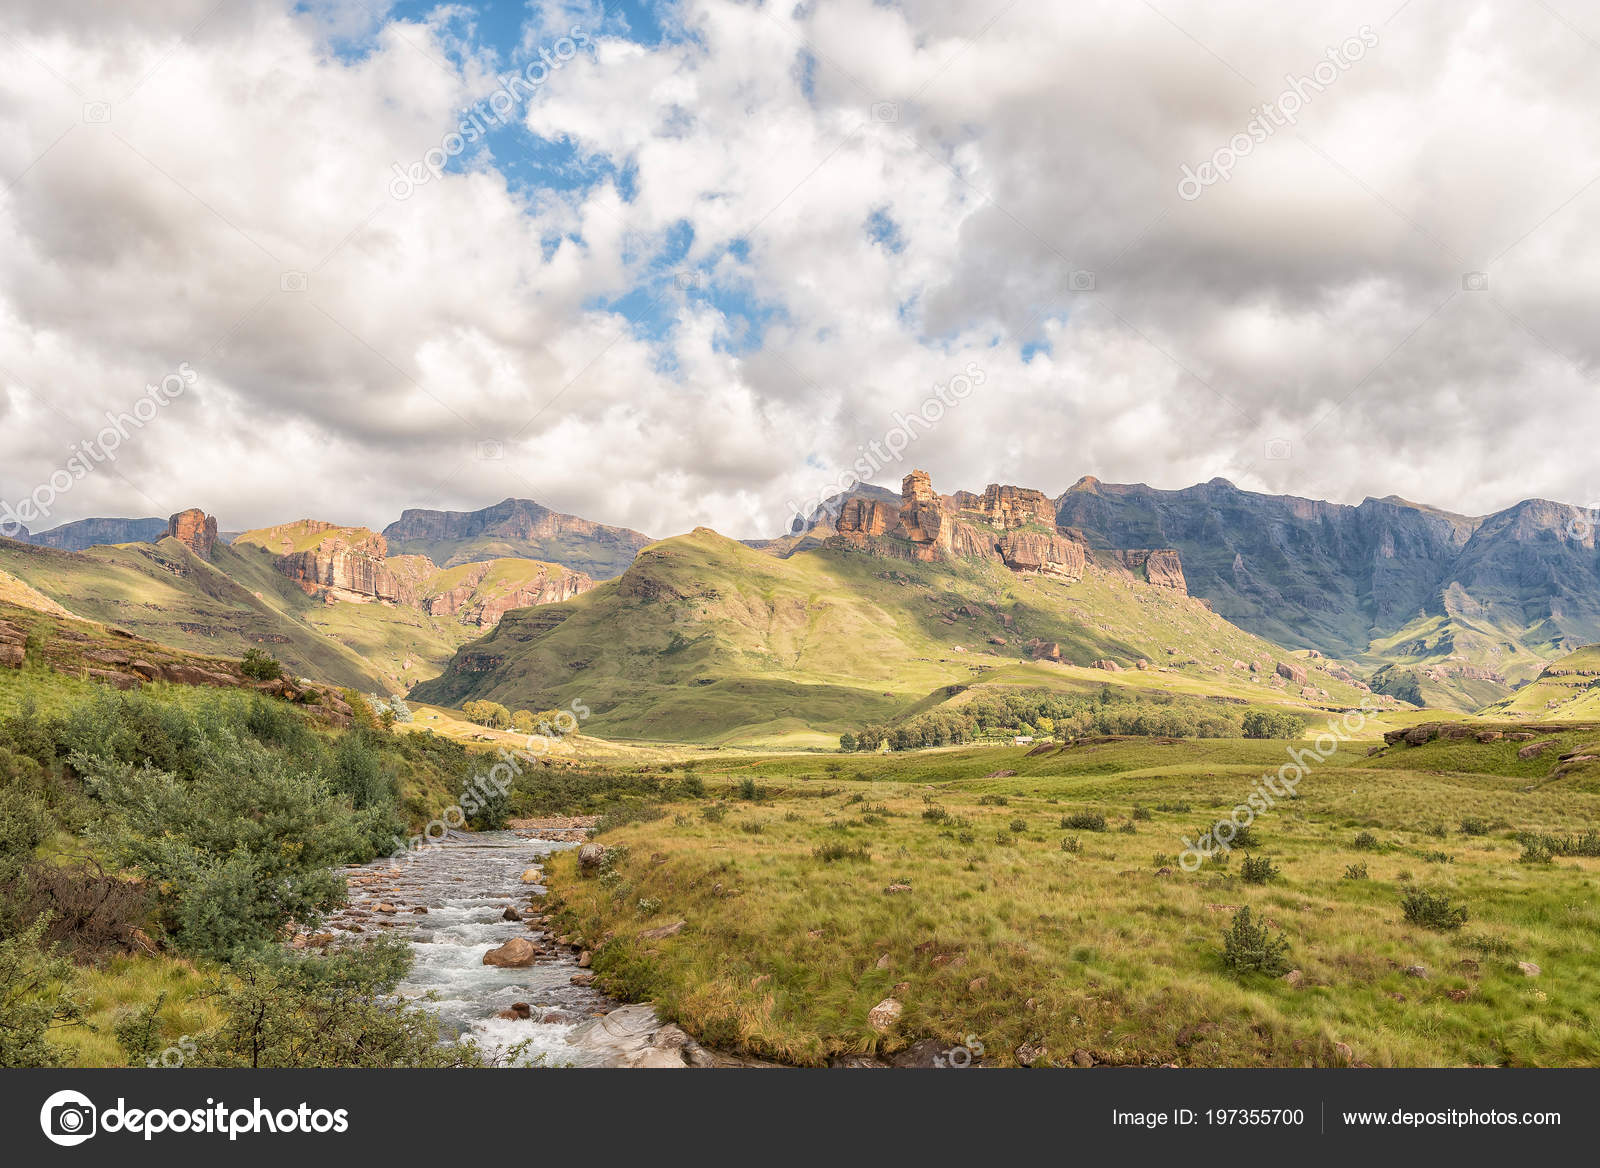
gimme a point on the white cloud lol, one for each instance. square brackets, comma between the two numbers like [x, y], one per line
[1317, 296]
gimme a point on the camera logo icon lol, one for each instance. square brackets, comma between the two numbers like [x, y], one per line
[1081, 280]
[885, 111]
[68, 1118]
[490, 450]
[686, 281]
[1475, 282]
[293, 282]
[1279, 449]
[96, 113]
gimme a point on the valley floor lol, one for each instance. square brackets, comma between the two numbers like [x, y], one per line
[977, 890]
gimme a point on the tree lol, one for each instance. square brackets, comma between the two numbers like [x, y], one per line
[260, 665]
[490, 714]
[847, 742]
[1271, 724]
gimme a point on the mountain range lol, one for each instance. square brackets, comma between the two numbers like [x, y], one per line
[522, 603]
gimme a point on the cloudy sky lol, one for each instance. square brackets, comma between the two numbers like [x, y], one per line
[678, 263]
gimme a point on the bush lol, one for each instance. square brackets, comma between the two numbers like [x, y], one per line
[1534, 852]
[1470, 826]
[35, 998]
[1248, 947]
[1084, 821]
[935, 814]
[1355, 871]
[1019, 825]
[835, 852]
[1257, 871]
[1072, 845]
[247, 846]
[337, 1010]
[1432, 910]
[1004, 839]
[1140, 812]
[992, 800]
[260, 665]
[1365, 842]
[400, 710]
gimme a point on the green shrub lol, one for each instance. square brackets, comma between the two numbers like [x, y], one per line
[1248, 947]
[338, 1010]
[1140, 812]
[1355, 871]
[1019, 825]
[35, 997]
[1084, 821]
[1535, 852]
[1432, 910]
[835, 852]
[259, 665]
[1072, 845]
[1004, 839]
[992, 800]
[1257, 870]
[1365, 842]
[1471, 826]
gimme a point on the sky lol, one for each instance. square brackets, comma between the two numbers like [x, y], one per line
[699, 262]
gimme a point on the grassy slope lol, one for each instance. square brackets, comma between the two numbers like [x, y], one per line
[165, 593]
[705, 639]
[1020, 941]
[1557, 698]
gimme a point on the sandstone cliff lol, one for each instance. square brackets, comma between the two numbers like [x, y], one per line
[340, 563]
[931, 527]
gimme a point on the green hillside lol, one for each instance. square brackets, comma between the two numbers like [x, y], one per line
[1568, 690]
[704, 638]
[165, 593]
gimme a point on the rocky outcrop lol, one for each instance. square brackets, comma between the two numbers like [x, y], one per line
[13, 645]
[1008, 507]
[1159, 566]
[1033, 551]
[196, 530]
[866, 517]
[1294, 673]
[468, 598]
[347, 565]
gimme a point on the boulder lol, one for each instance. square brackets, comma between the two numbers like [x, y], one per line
[590, 858]
[1529, 969]
[516, 953]
[662, 932]
[884, 1015]
[1535, 749]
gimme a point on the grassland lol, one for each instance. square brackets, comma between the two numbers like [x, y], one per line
[968, 909]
